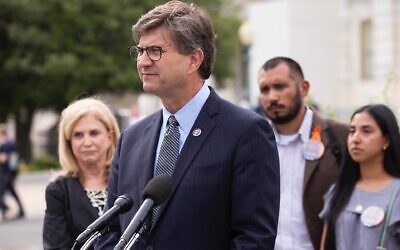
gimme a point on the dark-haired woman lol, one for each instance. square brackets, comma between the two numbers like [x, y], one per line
[362, 210]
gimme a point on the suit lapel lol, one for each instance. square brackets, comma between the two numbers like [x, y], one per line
[193, 144]
[80, 192]
[147, 152]
[311, 165]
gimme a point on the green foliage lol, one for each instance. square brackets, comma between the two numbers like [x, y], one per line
[44, 162]
[227, 46]
[226, 25]
[57, 50]
[54, 51]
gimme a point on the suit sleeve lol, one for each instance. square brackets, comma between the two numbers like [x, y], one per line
[255, 189]
[56, 234]
[109, 240]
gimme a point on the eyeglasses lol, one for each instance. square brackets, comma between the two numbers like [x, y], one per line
[153, 52]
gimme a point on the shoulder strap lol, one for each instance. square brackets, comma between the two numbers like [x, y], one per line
[387, 220]
[334, 143]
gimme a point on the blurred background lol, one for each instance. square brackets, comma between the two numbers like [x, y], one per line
[53, 52]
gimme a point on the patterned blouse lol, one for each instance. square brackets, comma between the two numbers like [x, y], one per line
[98, 199]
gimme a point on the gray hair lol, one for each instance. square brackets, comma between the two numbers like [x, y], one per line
[190, 26]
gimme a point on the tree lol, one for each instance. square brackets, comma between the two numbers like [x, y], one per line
[54, 51]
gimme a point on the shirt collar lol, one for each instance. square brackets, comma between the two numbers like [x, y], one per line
[187, 115]
[304, 130]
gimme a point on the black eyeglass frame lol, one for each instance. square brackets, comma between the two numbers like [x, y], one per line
[155, 54]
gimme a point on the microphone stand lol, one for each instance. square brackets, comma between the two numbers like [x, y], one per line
[132, 241]
[73, 246]
[93, 237]
[89, 242]
[134, 237]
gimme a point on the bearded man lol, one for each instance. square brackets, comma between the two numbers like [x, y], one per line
[309, 152]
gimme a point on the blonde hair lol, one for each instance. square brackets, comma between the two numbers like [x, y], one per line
[69, 116]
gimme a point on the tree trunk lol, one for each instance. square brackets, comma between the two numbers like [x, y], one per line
[23, 120]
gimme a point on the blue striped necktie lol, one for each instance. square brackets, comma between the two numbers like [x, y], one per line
[169, 152]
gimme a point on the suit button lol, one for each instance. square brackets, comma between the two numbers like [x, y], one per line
[149, 247]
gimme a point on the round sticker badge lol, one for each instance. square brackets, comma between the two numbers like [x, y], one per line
[372, 216]
[314, 148]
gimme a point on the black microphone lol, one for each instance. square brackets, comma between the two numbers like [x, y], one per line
[155, 192]
[121, 205]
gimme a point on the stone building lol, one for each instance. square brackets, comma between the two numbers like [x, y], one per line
[349, 49]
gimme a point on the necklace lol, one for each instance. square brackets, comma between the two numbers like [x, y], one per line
[359, 207]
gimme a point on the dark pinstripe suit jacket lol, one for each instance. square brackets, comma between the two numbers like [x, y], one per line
[68, 213]
[225, 184]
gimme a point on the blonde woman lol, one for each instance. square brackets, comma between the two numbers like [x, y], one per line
[88, 133]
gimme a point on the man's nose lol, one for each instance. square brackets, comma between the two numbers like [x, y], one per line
[144, 60]
[273, 95]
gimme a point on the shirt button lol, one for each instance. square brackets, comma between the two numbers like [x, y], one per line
[149, 247]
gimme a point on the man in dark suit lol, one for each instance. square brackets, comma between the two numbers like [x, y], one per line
[225, 182]
[309, 150]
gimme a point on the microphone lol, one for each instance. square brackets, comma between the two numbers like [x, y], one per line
[155, 192]
[121, 205]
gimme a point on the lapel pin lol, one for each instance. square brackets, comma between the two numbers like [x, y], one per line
[196, 132]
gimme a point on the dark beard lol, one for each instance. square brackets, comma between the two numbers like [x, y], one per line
[292, 112]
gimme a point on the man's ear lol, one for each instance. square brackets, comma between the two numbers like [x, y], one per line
[304, 88]
[195, 60]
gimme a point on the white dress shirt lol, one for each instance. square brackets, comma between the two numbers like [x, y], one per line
[292, 229]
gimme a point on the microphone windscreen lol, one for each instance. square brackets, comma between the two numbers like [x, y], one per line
[158, 189]
[124, 202]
